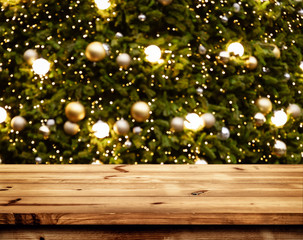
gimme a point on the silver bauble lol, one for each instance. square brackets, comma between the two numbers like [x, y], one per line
[264, 105]
[44, 130]
[128, 144]
[300, 12]
[224, 134]
[224, 56]
[259, 119]
[224, 19]
[18, 123]
[106, 48]
[121, 127]
[202, 50]
[142, 17]
[137, 130]
[71, 128]
[38, 160]
[201, 161]
[279, 148]
[123, 60]
[51, 122]
[236, 7]
[199, 91]
[118, 35]
[165, 2]
[30, 55]
[177, 124]
[287, 76]
[209, 120]
[294, 110]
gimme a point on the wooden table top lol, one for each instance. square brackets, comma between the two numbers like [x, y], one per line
[151, 194]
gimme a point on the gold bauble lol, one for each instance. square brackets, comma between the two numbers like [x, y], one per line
[71, 128]
[140, 111]
[276, 51]
[121, 127]
[95, 52]
[165, 2]
[75, 111]
[264, 105]
[251, 63]
[18, 123]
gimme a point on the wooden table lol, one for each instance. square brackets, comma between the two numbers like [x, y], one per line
[151, 195]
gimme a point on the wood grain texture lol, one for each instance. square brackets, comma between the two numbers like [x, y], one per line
[151, 194]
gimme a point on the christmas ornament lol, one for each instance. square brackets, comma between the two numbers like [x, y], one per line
[224, 134]
[118, 35]
[128, 144]
[201, 161]
[251, 63]
[101, 129]
[301, 65]
[202, 50]
[300, 12]
[38, 160]
[44, 130]
[95, 52]
[279, 148]
[259, 119]
[209, 120]
[224, 19]
[124, 60]
[165, 2]
[30, 55]
[140, 111]
[153, 53]
[264, 104]
[236, 49]
[102, 4]
[199, 91]
[75, 111]
[276, 51]
[193, 122]
[236, 7]
[18, 123]
[294, 110]
[279, 118]
[71, 128]
[286, 76]
[106, 48]
[41, 66]
[177, 124]
[121, 127]
[142, 17]
[137, 130]
[224, 56]
[50, 122]
[3, 114]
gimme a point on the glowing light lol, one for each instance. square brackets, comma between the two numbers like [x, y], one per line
[236, 48]
[41, 66]
[279, 118]
[301, 65]
[102, 4]
[101, 129]
[3, 114]
[193, 122]
[153, 53]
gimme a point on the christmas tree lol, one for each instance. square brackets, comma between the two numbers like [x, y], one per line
[147, 81]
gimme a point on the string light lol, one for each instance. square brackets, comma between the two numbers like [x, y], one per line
[41, 66]
[101, 129]
[102, 4]
[3, 114]
[236, 48]
[153, 53]
[279, 118]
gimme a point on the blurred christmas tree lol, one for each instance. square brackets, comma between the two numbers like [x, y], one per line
[146, 81]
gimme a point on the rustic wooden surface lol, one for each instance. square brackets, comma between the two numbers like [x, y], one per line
[151, 194]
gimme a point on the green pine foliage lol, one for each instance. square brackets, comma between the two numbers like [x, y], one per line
[60, 32]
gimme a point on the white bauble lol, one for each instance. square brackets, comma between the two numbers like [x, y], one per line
[137, 130]
[121, 127]
[30, 55]
[177, 124]
[44, 130]
[18, 123]
[259, 119]
[279, 148]
[209, 120]
[124, 60]
[294, 110]
[50, 122]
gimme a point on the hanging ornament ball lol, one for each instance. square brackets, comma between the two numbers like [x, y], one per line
[38, 160]
[140, 111]
[142, 17]
[95, 52]
[75, 111]
[279, 148]
[123, 60]
[18, 123]
[30, 55]
[202, 50]
[199, 91]
[209, 120]
[201, 161]
[236, 7]
[224, 134]
[3, 114]
[44, 130]
[300, 12]
[118, 35]
[50, 122]
[286, 76]
[224, 56]
[71, 128]
[259, 119]
[137, 130]
[121, 127]
[128, 144]
[294, 110]
[165, 2]
[276, 51]
[224, 19]
[264, 105]
[251, 63]
[106, 48]
[177, 124]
